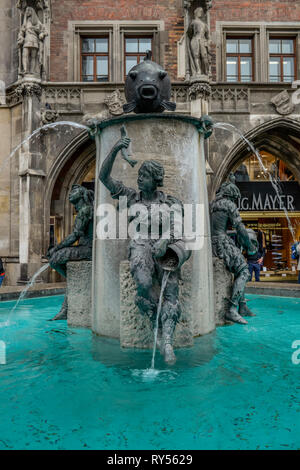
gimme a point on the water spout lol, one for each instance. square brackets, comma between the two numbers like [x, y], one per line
[30, 283]
[163, 286]
[37, 131]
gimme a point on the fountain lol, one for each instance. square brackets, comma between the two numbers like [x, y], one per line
[170, 145]
[62, 371]
[163, 296]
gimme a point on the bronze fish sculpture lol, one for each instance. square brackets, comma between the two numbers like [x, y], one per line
[148, 88]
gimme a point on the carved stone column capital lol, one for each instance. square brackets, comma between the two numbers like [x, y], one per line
[199, 90]
[29, 89]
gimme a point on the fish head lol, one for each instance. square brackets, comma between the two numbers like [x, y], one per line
[147, 86]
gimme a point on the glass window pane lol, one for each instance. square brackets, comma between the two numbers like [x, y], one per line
[246, 69]
[102, 68]
[275, 46]
[288, 69]
[245, 46]
[101, 45]
[130, 62]
[88, 65]
[145, 44]
[232, 69]
[131, 45]
[287, 46]
[232, 46]
[274, 69]
[88, 45]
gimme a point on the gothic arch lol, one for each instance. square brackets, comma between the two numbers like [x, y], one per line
[275, 136]
[69, 167]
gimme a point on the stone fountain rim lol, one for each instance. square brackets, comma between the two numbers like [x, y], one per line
[98, 126]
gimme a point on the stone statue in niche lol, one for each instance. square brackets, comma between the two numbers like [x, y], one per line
[198, 45]
[59, 255]
[225, 214]
[30, 41]
[150, 257]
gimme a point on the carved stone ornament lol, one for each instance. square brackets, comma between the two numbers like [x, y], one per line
[283, 103]
[29, 89]
[114, 102]
[199, 91]
[36, 4]
[48, 116]
[207, 4]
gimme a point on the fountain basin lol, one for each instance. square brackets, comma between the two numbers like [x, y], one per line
[64, 388]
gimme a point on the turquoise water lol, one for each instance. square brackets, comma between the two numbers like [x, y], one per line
[63, 388]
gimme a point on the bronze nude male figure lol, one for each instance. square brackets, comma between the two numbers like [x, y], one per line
[146, 252]
[59, 255]
[224, 213]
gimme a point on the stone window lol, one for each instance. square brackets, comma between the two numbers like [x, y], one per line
[282, 59]
[135, 50]
[102, 50]
[239, 59]
[94, 59]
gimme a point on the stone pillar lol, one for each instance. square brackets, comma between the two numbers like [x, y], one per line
[174, 141]
[32, 174]
[199, 94]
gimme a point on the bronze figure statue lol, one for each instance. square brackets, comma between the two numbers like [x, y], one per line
[225, 214]
[59, 255]
[149, 257]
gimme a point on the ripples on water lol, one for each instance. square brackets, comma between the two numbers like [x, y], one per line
[64, 388]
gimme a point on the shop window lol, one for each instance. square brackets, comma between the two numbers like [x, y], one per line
[239, 59]
[250, 169]
[94, 59]
[135, 51]
[282, 59]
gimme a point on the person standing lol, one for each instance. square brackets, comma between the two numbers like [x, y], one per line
[254, 264]
[2, 272]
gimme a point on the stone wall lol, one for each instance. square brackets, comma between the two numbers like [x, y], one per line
[170, 11]
[238, 12]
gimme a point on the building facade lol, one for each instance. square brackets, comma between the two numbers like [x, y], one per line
[67, 60]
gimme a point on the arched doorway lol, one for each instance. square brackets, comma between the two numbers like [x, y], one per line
[76, 165]
[278, 142]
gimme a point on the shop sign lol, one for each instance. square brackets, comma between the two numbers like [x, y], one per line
[261, 196]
